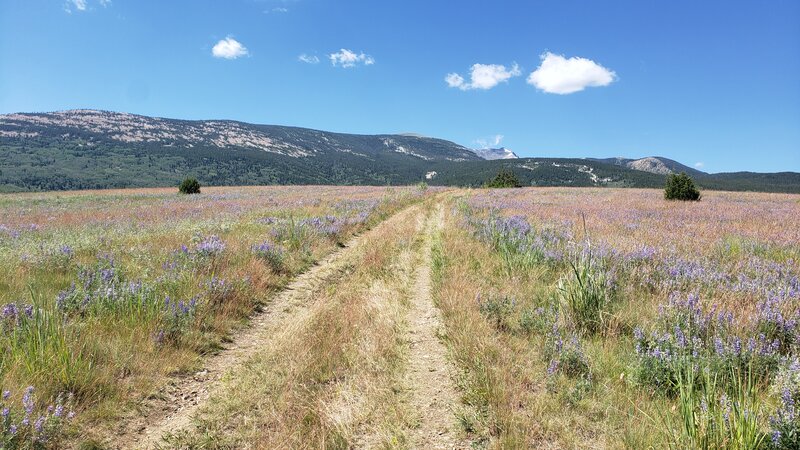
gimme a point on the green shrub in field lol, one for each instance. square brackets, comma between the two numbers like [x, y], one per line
[681, 187]
[504, 179]
[585, 292]
[189, 186]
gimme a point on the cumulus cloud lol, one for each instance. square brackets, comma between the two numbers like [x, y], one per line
[699, 165]
[349, 58]
[482, 76]
[490, 142]
[560, 75]
[229, 48]
[308, 59]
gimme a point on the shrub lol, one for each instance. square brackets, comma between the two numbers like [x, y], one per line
[504, 179]
[681, 187]
[189, 186]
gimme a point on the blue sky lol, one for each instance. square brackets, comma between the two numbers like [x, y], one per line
[713, 83]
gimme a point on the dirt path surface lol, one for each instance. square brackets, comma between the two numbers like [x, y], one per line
[172, 409]
[429, 377]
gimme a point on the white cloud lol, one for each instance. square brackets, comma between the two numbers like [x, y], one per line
[699, 165]
[482, 76]
[491, 142]
[349, 58]
[79, 5]
[454, 80]
[309, 59]
[82, 5]
[559, 75]
[229, 48]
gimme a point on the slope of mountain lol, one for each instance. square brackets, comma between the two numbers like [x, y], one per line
[88, 149]
[652, 164]
[495, 153]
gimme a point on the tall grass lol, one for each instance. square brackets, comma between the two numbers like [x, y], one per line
[710, 417]
[585, 292]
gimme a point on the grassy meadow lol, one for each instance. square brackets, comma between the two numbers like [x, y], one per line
[597, 318]
[106, 293]
[572, 318]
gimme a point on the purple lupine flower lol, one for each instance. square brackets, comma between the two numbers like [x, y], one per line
[719, 347]
[211, 246]
[39, 424]
[775, 437]
[552, 368]
[27, 400]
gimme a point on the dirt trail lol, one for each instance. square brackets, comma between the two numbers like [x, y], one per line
[172, 409]
[429, 377]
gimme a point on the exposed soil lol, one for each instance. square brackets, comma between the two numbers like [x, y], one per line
[430, 374]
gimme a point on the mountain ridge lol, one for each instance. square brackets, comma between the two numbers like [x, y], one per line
[89, 149]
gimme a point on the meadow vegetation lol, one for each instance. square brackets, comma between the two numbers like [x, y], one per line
[106, 293]
[575, 318]
[591, 318]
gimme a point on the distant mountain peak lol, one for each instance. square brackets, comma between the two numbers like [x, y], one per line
[495, 153]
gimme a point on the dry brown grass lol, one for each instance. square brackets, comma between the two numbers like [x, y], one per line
[511, 402]
[332, 377]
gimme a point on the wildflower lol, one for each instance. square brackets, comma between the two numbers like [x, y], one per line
[211, 246]
[27, 400]
[775, 437]
[39, 424]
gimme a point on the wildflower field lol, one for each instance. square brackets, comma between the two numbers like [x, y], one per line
[399, 318]
[597, 318]
[106, 293]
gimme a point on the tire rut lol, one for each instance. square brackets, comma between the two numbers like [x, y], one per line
[430, 374]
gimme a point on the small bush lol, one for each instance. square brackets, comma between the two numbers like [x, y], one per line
[681, 187]
[189, 186]
[504, 179]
